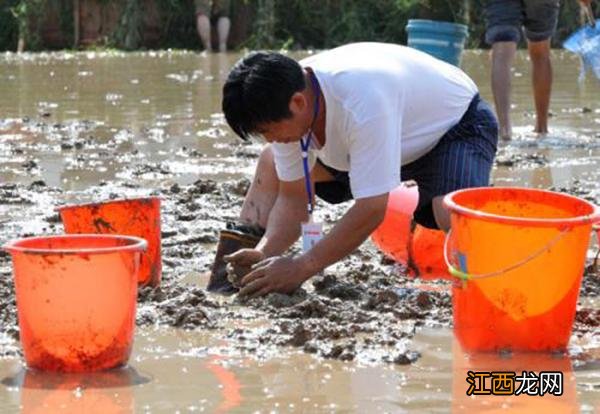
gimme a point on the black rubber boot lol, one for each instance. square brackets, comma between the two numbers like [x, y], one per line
[234, 238]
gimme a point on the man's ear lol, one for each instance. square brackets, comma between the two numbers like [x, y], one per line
[298, 103]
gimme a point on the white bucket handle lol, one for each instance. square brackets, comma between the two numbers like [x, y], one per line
[464, 276]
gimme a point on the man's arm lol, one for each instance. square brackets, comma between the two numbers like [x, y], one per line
[283, 225]
[285, 274]
[348, 234]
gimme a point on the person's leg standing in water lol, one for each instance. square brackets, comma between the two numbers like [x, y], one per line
[505, 18]
[503, 55]
[203, 12]
[223, 22]
[541, 18]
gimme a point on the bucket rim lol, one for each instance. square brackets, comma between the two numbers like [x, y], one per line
[137, 244]
[439, 25]
[106, 202]
[593, 217]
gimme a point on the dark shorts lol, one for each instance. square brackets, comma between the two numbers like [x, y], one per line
[505, 18]
[462, 158]
[212, 8]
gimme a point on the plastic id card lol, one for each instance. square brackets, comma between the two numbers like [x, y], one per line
[312, 232]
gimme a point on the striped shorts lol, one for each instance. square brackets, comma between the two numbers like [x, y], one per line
[462, 158]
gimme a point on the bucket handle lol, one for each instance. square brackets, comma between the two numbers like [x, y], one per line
[464, 276]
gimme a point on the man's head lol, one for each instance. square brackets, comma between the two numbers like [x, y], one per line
[265, 94]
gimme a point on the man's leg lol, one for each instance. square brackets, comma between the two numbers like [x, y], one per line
[541, 18]
[541, 78]
[203, 27]
[463, 158]
[503, 54]
[264, 189]
[223, 25]
[441, 214]
[262, 192]
[503, 32]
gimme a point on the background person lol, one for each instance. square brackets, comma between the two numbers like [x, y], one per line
[505, 20]
[207, 10]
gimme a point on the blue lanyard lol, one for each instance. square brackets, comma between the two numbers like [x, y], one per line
[305, 145]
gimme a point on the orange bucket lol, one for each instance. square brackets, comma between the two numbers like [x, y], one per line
[76, 299]
[139, 217]
[418, 248]
[520, 254]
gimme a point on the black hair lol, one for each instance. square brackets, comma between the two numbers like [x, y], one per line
[258, 90]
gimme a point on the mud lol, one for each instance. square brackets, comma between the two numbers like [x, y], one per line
[512, 157]
[359, 312]
[364, 309]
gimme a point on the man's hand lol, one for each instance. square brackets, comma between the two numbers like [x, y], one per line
[275, 274]
[240, 263]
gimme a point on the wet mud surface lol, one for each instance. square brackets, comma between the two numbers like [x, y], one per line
[363, 309]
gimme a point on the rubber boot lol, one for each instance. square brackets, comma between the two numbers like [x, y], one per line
[235, 238]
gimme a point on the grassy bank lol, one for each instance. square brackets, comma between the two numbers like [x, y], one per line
[257, 24]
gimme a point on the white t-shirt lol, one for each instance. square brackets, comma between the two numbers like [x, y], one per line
[387, 105]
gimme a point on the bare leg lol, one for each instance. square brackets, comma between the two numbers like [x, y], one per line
[223, 25]
[541, 77]
[503, 55]
[262, 192]
[265, 187]
[441, 214]
[203, 27]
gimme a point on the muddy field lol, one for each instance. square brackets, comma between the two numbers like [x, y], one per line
[360, 310]
[125, 140]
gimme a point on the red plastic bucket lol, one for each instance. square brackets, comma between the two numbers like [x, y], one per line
[139, 217]
[76, 299]
[520, 254]
[418, 248]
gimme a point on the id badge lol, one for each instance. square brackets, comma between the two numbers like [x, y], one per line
[312, 232]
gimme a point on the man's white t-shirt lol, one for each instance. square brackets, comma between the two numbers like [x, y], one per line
[387, 105]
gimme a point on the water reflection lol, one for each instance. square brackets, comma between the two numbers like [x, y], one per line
[184, 371]
[100, 392]
[228, 383]
[148, 106]
[522, 364]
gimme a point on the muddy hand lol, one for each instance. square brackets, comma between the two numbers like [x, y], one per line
[275, 274]
[240, 263]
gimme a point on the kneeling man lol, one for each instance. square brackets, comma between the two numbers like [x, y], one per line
[348, 123]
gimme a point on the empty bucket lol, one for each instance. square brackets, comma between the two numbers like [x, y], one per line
[520, 254]
[76, 299]
[139, 217]
[443, 40]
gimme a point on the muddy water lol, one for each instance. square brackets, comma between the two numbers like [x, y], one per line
[362, 337]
